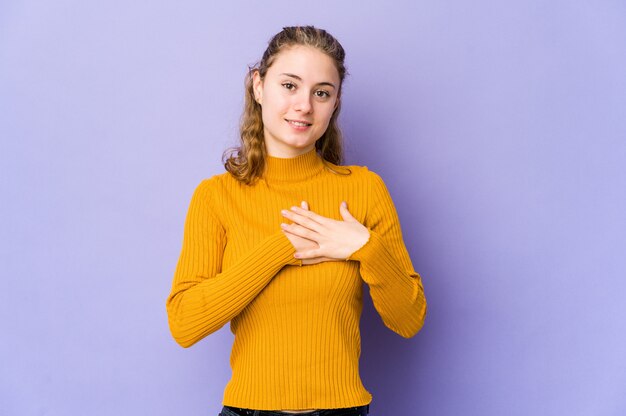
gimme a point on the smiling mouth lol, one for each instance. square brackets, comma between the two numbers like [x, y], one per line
[298, 123]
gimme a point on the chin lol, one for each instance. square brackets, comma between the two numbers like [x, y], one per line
[300, 144]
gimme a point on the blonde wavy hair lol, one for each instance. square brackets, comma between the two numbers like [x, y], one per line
[246, 162]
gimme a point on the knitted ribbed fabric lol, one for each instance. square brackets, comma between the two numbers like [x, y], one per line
[297, 342]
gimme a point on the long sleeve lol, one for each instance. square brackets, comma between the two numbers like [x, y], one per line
[396, 289]
[204, 297]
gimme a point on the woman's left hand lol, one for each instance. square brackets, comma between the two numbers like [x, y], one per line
[336, 239]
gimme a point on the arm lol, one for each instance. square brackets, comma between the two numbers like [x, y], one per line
[396, 289]
[204, 297]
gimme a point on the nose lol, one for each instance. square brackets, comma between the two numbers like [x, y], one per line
[303, 103]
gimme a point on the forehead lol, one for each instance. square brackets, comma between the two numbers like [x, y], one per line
[310, 64]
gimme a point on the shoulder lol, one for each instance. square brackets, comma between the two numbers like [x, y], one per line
[207, 196]
[210, 189]
[372, 183]
[360, 174]
[208, 185]
[349, 171]
[217, 182]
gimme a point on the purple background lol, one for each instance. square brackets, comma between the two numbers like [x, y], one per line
[499, 128]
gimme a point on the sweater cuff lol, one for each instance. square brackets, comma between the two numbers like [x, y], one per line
[379, 264]
[285, 249]
[368, 250]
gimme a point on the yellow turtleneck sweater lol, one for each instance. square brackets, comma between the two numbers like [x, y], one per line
[297, 342]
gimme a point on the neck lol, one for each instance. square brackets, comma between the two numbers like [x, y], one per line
[293, 169]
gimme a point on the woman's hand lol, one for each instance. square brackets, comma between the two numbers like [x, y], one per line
[303, 244]
[318, 238]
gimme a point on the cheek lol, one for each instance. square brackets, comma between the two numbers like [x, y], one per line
[268, 111]
[274, 104]
[326, 112]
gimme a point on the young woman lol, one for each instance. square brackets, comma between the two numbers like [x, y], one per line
[280, 243]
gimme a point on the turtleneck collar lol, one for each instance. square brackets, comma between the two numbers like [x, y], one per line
[293, 169]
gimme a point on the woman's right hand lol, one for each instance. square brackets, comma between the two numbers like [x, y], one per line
[301, 243]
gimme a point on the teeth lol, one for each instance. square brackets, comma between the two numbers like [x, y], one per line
[297, 123]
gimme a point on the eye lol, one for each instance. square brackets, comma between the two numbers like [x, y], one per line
[322, 94]
[290, 86]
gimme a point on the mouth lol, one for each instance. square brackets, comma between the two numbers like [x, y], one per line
[298, 123]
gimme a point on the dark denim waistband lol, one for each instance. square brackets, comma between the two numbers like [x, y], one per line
[347, 411]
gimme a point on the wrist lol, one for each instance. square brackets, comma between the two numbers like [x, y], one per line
[366, 238]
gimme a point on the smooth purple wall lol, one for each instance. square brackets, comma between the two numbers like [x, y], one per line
[499, 128]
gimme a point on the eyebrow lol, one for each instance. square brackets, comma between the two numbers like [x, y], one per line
[300, 79]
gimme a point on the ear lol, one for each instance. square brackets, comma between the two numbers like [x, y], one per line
[257, 86]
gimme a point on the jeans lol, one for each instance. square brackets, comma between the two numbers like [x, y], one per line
[348, 411]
